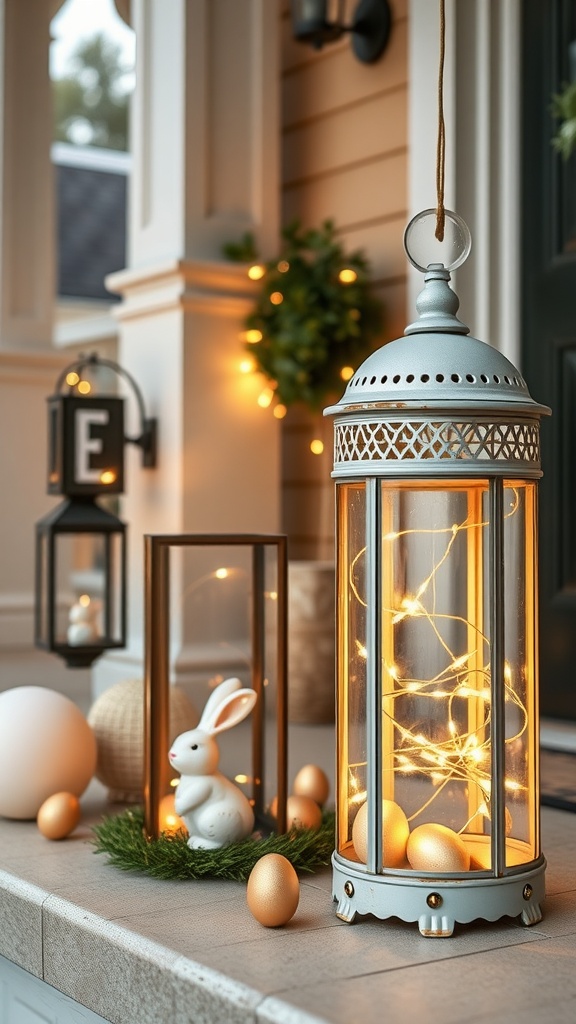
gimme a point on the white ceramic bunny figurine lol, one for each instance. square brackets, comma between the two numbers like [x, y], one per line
[213, 809]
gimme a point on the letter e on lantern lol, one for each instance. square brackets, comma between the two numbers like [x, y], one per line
[86, 445]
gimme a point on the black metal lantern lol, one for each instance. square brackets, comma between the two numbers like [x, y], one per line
[80, 581]
[318, 22]
[80, 546]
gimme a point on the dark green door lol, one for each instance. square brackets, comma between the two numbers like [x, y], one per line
[549, 333]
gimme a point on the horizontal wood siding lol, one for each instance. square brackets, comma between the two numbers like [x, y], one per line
[344, 157]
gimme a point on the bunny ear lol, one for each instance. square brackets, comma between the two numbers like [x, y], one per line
[215, 700]
[233, 709]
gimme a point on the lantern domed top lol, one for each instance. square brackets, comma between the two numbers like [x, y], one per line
[435, 365]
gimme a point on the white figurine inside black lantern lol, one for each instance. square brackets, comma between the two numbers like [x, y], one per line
[436, 462]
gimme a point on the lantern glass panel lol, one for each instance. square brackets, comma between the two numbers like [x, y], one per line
[352, 738]
[436, 731]
[436, 670]
[88, 588]
[520, 784]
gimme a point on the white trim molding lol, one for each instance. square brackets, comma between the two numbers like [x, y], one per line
[482, 109]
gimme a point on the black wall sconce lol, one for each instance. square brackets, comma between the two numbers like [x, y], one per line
[80, 600]
[317, 22]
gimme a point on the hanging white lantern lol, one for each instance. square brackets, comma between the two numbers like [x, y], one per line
[436, 464]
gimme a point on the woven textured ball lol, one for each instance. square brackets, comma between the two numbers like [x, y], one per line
[117, 720]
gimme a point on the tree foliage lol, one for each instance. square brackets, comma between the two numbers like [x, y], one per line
[91, 103]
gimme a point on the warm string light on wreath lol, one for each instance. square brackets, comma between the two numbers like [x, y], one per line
[247, 365]
[463, 756]
[315, 316]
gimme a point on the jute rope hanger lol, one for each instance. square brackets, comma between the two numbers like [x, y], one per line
[441, 143]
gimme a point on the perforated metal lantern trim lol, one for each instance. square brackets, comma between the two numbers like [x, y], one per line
[512, 446]
[436, 401]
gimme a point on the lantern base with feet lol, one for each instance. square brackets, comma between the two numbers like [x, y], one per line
[437, 904]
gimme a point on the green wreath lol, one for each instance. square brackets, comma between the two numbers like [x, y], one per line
[315, 318]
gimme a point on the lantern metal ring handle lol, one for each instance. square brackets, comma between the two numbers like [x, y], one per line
[423, 248]
[147, 439]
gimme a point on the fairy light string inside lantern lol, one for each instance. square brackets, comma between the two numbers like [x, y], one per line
[462, 755]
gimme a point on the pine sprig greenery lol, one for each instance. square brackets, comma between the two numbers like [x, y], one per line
[122, 838]
[316, 313]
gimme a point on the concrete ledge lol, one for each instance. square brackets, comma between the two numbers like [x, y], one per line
[134, 950]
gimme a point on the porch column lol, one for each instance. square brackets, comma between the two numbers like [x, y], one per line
[28, 366]
[205, 141]
[27, 243]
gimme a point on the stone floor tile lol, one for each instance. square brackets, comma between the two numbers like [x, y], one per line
[293, 956]
[483, 988]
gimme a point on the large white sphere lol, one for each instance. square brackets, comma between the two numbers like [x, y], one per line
[46, 746]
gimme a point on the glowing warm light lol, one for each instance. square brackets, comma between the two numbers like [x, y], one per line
[361, 649]
[247, 365]
[265, 397]
[72, 378]
[222, 574]
[169, 822]
[253, 336]
[84, 387]
[256, 271]
[107, 476]
[280, 411]
[273, 595]
[242, 779]
[283, 266]
[358, 796]
[84, 600]
[316, 446]
[346, 372]
[276, 298]
[347, 275]
[459, 662]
